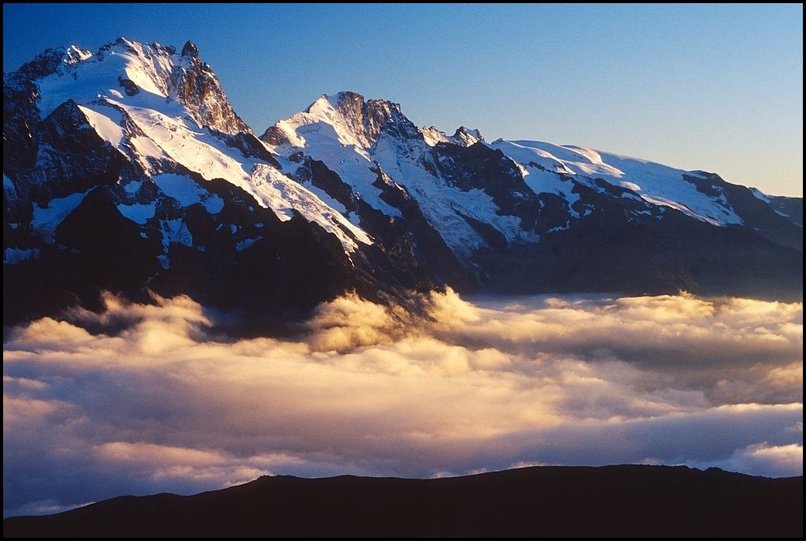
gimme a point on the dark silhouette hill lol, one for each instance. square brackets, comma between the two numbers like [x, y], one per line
[622, 501]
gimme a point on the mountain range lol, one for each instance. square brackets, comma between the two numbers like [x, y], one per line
[127, 170]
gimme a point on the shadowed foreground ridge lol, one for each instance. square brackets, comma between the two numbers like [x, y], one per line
[542, 501]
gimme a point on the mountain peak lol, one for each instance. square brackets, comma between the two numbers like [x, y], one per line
[463, 136]
[190, 50]
[154, 69]
[356, 120]
[350, 98]
[467, 136]
[74, 54]
[348, 102]
[45, 63]
[344, 97]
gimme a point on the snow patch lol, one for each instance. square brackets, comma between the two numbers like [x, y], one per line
[187, 192]
[106, 121]
[629, 186]
[9, 190]
[242, 245]
[325, 197]
[133, 186]
[286, 197]
[661, 201]
[46, 219]
[542, 181]
[14, 256]
[175, 232]
[760, 195]
[139, 213]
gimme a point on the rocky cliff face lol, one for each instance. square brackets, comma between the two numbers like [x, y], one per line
[193, 83]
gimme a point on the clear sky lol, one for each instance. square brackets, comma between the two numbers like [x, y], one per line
[714, 87]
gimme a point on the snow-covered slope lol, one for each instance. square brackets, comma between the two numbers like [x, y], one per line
[165, 111]
[363, 141]
[654, 183]
[125, 69]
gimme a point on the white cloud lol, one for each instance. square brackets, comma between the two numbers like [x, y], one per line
[160, 405]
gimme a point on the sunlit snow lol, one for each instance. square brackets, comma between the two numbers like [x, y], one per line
[655, 183]
[169, 132]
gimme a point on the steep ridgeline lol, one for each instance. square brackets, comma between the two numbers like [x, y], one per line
[127, 170]
[528, 216]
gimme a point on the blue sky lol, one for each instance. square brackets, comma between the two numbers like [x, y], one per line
[715, 87]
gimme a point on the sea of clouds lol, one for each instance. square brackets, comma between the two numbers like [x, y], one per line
[157, 402]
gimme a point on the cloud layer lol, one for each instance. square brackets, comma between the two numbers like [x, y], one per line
[161, 405]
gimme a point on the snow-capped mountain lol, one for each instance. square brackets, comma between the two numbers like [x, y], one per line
[532, 216]
[127, 169]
